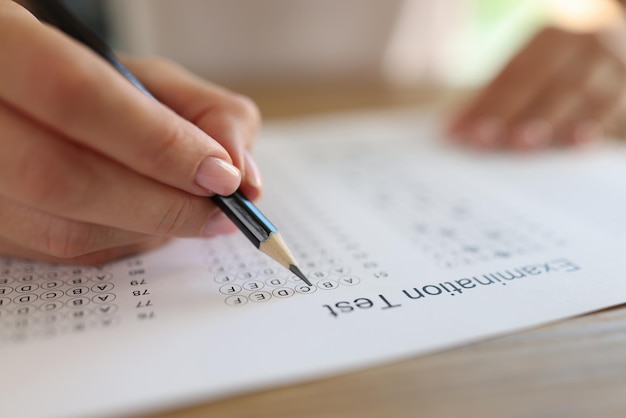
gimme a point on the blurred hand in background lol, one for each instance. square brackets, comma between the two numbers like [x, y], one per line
[562, 88]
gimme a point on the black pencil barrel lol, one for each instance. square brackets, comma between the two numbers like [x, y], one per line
[246, 216]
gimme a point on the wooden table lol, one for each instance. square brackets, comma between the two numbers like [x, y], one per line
[574, 368]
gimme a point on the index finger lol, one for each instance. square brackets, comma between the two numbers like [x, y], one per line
[63, 85]
[517, 83]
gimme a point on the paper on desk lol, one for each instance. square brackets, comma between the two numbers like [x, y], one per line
[413, 246]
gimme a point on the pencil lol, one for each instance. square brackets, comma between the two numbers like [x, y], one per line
[241, 211]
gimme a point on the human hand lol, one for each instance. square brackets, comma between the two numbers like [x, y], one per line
[91, 169]
[562, 88]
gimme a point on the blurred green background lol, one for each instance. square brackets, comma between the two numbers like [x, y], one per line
[487, 33]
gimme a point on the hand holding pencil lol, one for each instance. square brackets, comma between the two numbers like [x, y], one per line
[90, 168]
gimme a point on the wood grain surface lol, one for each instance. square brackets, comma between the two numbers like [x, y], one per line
[574, 368]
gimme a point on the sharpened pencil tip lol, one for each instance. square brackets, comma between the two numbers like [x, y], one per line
[295, 270]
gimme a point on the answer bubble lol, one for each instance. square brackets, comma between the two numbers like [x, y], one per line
[341, 270]
[27, 278]
[4, 314]
[51, 284]
[101, 277]
[52, 306]
[103, 298]
[269, 271]
[304, 289]
[5, 290]
[51, 275]
[230, 289]
[236, 300]
[24, 310]
[253, 285]
[224, 278]
[27, 288]
[77, 271]
[102, 287]
[350, 280]
[283, 292]
[25, 298]
[246, 275]
[51, 319]
[51, 295]
[106, 309]
[22, 323]
[106, 322]
[79, 314]
[260, 296]
[76, 281]
[276, 281]
[77, 302]
[328, 285]
[4, 280]
[77, 291]
[318, 275]
[220, 269]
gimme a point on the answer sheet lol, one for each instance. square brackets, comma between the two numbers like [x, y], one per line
[412, 245]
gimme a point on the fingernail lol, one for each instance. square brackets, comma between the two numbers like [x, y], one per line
[454, 128]
[218, 176]
[534, 134]
[218, 224]
[253, 174]
[586, 132]
[487, 133]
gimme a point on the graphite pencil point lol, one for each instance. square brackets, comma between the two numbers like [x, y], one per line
[296, 270]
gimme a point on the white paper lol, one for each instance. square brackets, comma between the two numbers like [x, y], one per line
[414, 245]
